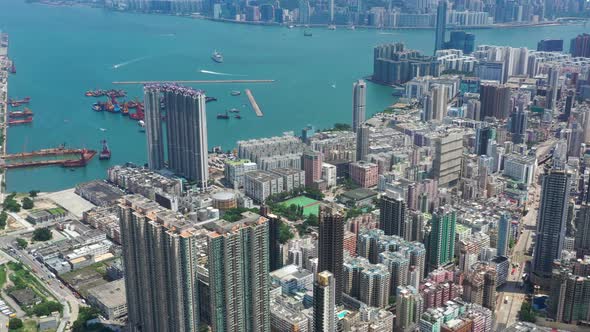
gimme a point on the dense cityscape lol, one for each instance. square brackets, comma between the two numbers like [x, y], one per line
[464, 206]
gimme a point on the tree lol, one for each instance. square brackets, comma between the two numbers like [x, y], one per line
[33, 193]
[526, 313]
[15, 324]
[11, 204]
[42, 234]
[28, 203]
[22, 243]
[85, 314]
[285, 233]
[3, 218]
[46, 308]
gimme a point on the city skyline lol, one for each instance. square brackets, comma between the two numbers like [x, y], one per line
[452, 197]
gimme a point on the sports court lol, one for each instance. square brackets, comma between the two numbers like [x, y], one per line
[310, 206]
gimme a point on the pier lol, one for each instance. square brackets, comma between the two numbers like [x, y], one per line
[31, 159]
[253, 103]
[195, 82]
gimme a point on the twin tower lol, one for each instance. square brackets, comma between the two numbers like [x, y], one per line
[176, 130]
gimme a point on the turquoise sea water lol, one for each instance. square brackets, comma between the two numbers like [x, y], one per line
[60, 52]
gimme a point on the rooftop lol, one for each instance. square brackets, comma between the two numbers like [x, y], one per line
[111, 294]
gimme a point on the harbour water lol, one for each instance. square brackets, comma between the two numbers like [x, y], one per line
[60, 52]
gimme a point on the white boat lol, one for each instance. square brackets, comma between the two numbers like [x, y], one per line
[141, 123]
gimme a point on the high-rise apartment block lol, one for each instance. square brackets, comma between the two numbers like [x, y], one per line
[186, 131]
[238, 265]
[441, 240]
[324, 302]
[330, 246]
[393, 215]
[550, 224]
[160, 254]
[580, 46]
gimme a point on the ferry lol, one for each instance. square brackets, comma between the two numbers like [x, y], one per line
[236, 93]
[210, 99]
[217, 57]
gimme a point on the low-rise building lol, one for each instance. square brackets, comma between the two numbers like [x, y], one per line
[520, 168]
[109, 299]
[292, 178]
[234, 171]
[260, 184]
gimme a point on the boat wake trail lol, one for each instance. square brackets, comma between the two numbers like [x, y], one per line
[123, 64]
[217, 73]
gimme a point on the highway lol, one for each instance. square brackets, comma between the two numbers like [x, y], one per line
[507, 313]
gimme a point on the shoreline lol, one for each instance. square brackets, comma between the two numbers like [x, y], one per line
[4, 106]
[557, 22]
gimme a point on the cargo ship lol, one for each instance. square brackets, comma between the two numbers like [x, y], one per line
[23, 121]
[105, 153]
[217, 57]
[109, 93]
[17, 103]
[20, 114]
[85, 157]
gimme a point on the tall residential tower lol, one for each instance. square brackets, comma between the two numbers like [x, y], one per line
[359, 103]
[185, 143]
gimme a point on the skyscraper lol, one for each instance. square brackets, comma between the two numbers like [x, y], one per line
[503, 235]
[324, 302]
[482, 137]
[441, 240]
[392, 219]
[550, 45]
[312, 165]
[408, 308]
[495, 101]
[569, 300]
[330, 246]
[441, 23]
[362, 142]
[580, 46]
[582, 235]
[460, 40]
[436, 104]
[160, 253]
[550, 224]
[518, 126]
[570, 99]
[359, 104]
[186, 131]
[553, 87]
[237, 263]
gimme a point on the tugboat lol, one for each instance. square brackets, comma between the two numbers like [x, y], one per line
[105, 153]
[217, 57]
[223, 116]
[236, 93]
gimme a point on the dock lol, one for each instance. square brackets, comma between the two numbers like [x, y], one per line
[253, 103]
[4, 63]
[194, 82]
[32, 159]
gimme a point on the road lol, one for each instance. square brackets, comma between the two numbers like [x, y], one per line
[507, 313]
[64, 295]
